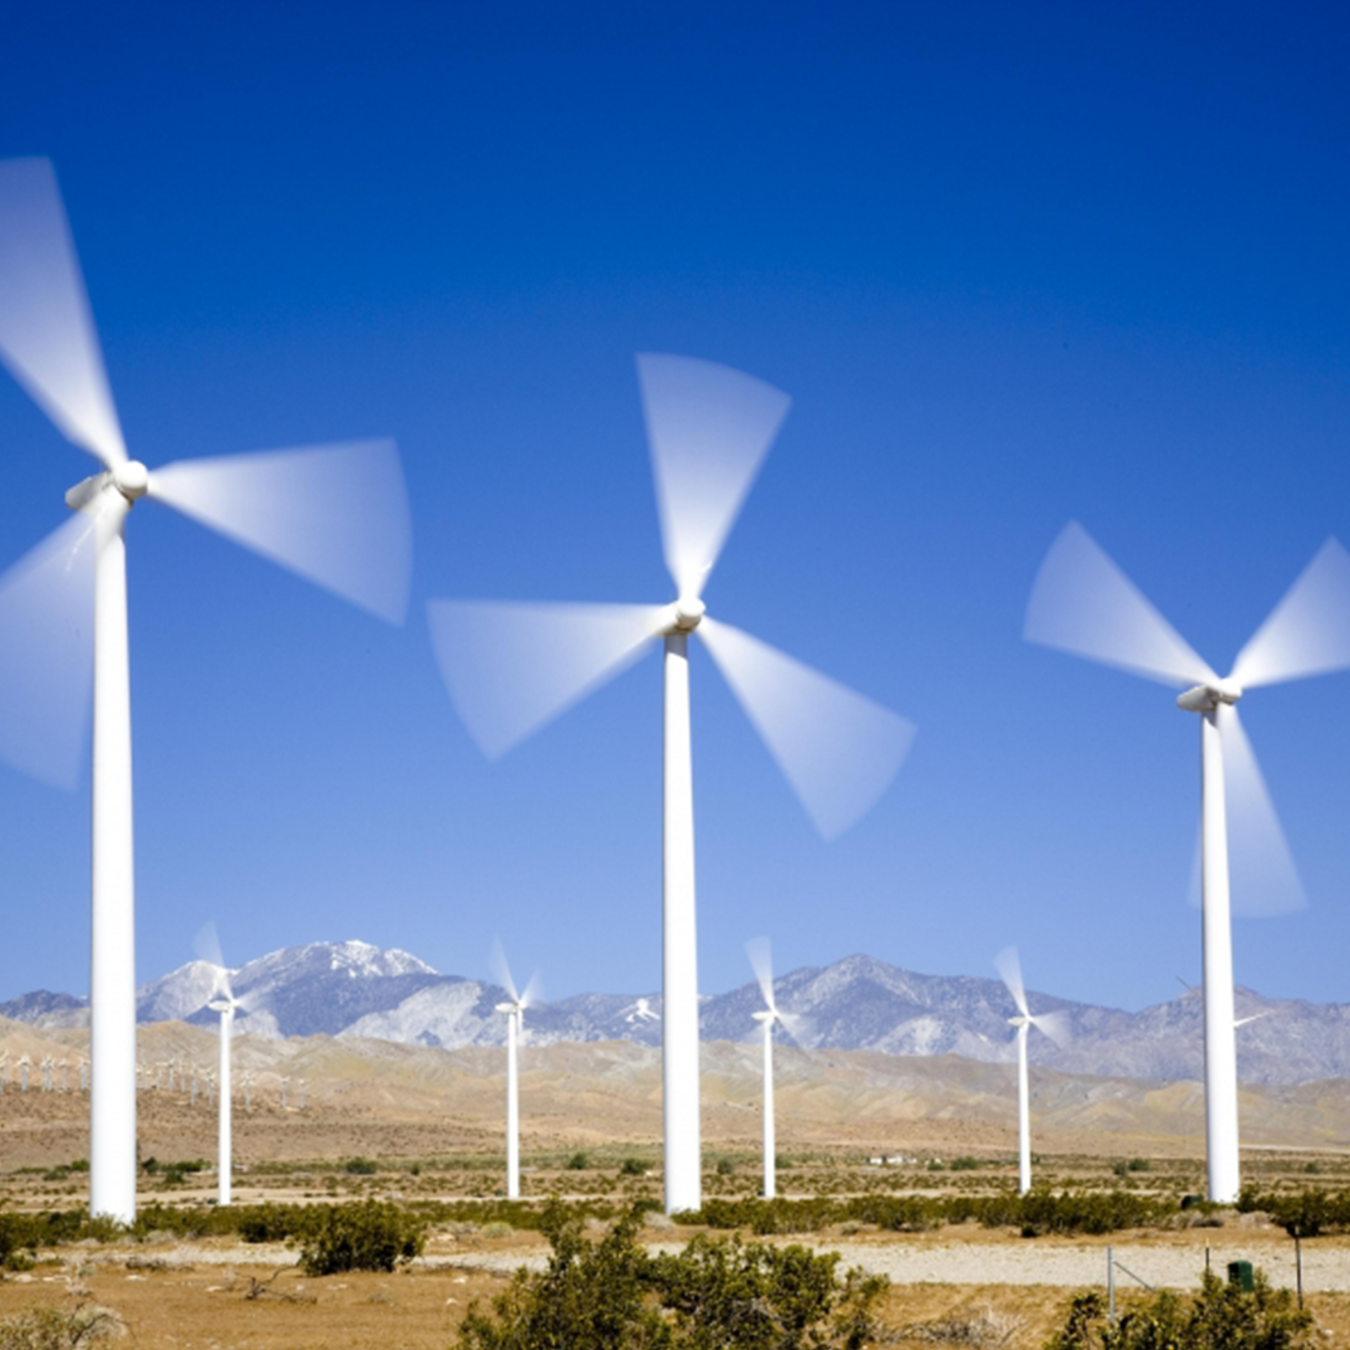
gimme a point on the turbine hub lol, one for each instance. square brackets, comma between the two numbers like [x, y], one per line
[764, 1015]
[132, 479]
[1206, 697]
[688, 611]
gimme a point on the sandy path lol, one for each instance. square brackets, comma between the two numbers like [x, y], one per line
[1064, 1265]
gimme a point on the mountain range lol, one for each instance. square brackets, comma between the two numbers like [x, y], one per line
[354, 989]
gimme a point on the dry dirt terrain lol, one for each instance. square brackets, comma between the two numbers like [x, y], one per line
[432, 1121]
[991, 1290]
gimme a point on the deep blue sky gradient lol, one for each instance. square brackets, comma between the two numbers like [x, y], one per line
[1015, 264]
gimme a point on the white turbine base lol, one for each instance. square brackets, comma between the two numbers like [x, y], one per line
[1223, 1173]
[224, 1121]
[679, 955]
[112, 976]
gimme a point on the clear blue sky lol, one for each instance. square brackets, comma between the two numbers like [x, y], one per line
[1015, 264]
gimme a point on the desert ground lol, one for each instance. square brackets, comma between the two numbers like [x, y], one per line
[425, 1123]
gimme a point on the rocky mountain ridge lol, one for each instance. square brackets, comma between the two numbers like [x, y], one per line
[354, 989]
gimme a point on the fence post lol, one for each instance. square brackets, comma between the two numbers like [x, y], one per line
[1111, 1284]
[1298, 1267]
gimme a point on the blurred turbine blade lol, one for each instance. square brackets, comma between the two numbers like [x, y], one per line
[207, 946]
[798, 1027]
[534, 991]
[47, 653]
[838, 750]
[1263, 878]
[1308, 632]
[1056, 1026]
[1010, 968]
[336, 514]
[47, 336]
[1254, 1017]
[709, 428]
[761, 962]
[512, 667]
[501, 971]
[1083, 603]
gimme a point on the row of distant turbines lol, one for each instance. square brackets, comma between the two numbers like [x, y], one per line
[338, 515]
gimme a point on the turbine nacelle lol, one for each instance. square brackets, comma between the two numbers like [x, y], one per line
[511, 1008]
[766, 1015]
[683, 616]
[1204, 698]
[223, 1005]
[131, 478]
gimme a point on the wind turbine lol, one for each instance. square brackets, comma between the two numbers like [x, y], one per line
[761, 961]
[224, 1003]
[1084, 604]
[513, 667]
[515, 1030]
[336, 514]
[1055, 1025]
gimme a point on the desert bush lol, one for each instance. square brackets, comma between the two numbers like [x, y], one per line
[633, 1167]
[55, 1329]
[360, 1167]
[578, 1162]
[1220, 1317]
[369, 1235]
[718, 1292]
[1301, 1213]
[590, 1294]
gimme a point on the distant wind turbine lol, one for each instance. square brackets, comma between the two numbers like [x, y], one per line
[771, 1015]
[513, 667]
[336, 514]
[515, 1030]
[226, 1005]
[1084, 604]
[1055, 1025]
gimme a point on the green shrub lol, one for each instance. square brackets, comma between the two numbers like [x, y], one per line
[1302, 1213]
[1220, 1317]
[54, 1329]
[725, 1167]
[578, 1162]
[965, 1164]
[370, 1235]
[718, 1292]
[361, 1167]
[633, 1167]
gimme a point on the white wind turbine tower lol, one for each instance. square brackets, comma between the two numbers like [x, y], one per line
[515, 1030]
[224, 1003]
[337, 515]
[761, 961]
[1055, 1025]
[1082, 603]
[513, 667]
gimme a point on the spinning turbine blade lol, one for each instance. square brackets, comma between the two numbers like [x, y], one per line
[1056, 1026]
[47, 642]
[761, 962]
[797, 1026]
[502, 971]
[1308, 632]
[838, 750]
[534, 991]
[511, 668]
[336, 514]
[1084, 604]
[709, 428]
[47, 336]
[207, 946]
[1264, 879]
[1010, 968]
